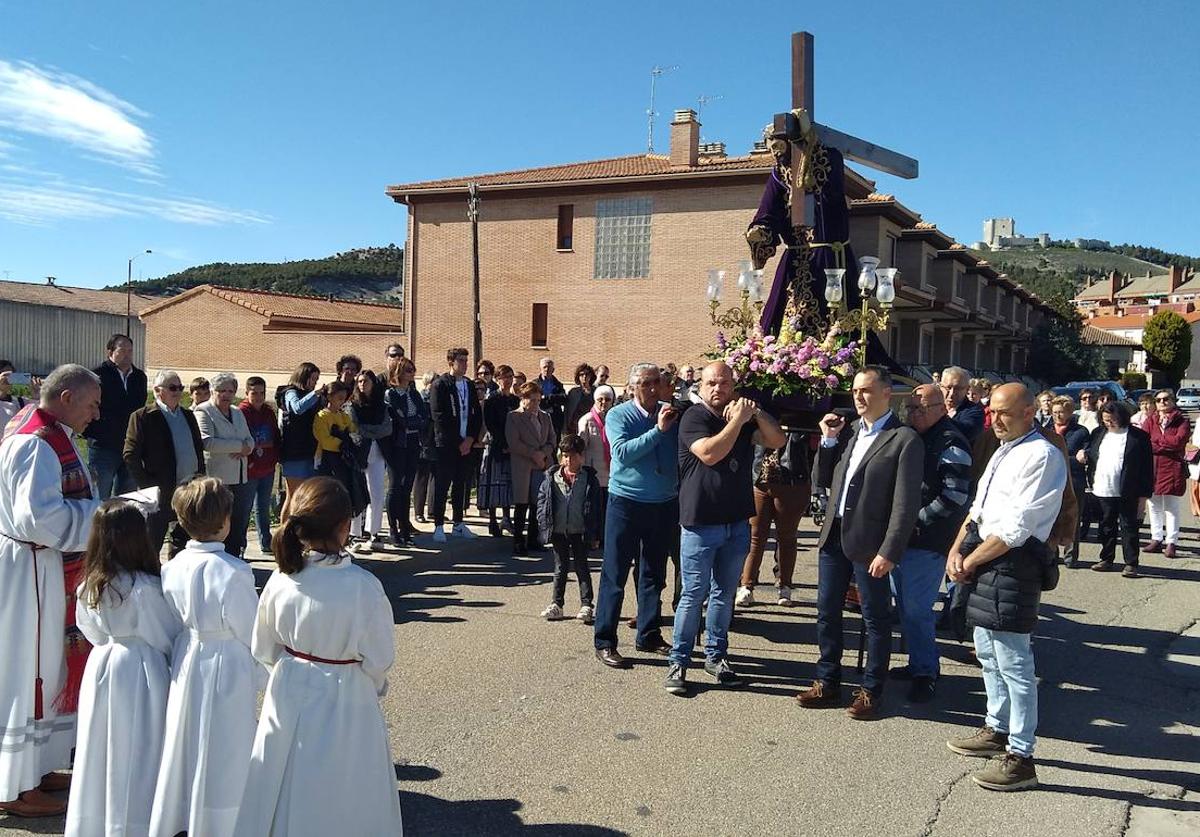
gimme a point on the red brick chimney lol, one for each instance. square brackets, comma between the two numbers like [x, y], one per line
[1114, 284]
[685, 139]
[1174, 277]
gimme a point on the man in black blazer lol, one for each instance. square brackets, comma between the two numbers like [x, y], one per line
[874, 475]
[163, 449]
[457, 422]
[122, 390]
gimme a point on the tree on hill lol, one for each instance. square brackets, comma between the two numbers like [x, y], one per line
[1167, 339]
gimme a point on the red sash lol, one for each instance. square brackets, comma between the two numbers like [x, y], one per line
[300, 655]
[34, 421]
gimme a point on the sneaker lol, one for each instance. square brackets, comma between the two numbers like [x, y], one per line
[586, 615]
[1130, 571]
[439, 535]
[744, 597]
[378, 543]
[1010, 773]
[552, 613]
[785, 597]
[460, 530]
[721, 670]
[361, 548]
[985, 742]
[676, 682]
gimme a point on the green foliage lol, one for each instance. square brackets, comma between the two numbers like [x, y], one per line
[373, 273]
[1167, 339]
[1133, 380]
[1153, 254]
[1057, 353]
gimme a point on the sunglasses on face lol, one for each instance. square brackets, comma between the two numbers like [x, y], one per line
[1163, 398]
[394, 356]
[174, 388]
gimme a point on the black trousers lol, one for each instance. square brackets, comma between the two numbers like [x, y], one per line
[451, 472]
[571, 552]
[422, 493]
[1119, 513]
[163, 522]
[402, 472]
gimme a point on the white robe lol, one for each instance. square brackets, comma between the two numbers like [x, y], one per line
[322, 763]
[122, 708]
[32, 509]
[214, 681]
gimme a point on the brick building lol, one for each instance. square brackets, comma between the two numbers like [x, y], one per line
[606, 261]
[211, 329]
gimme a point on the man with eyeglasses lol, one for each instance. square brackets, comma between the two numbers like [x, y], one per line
[955, 382]
[1086, 414]
[945, 495]
[163, 449]
[395, 356]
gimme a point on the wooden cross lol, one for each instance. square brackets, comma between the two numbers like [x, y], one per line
[852, 148]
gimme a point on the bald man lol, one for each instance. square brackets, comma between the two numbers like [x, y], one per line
[1002, 549]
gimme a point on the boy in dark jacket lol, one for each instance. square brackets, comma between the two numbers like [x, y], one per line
[568, 512]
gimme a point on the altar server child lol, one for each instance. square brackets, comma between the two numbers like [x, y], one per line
[214, 679]
[321, 762]
[123, 699]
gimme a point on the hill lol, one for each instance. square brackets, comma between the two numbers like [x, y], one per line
[1057, 273]
[374, 274]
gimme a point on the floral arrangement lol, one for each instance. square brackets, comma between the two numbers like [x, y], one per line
[791, 363]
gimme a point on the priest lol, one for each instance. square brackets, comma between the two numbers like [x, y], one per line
[46, 511]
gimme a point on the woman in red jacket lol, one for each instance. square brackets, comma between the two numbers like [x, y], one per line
[1169, 433]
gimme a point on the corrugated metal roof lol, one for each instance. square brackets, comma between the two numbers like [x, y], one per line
[82, 299]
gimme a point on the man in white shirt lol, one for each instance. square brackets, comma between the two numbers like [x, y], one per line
[1001, 552]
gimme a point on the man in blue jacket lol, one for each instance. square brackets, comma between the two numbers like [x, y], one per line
[123, 389]
[643, 513]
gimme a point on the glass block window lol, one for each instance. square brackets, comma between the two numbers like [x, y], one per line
[623, 238]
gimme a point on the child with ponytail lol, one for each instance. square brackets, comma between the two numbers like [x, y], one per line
[321, 762]
[123, 699]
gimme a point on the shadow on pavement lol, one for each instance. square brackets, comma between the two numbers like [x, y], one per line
[429, 815]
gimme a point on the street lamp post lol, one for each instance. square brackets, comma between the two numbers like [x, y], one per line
[129, 293]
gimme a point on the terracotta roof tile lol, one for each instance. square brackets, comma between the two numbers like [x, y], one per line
[1099, 337]
[631, 166]
[296, 307]
[1128, 321]
[82, 299]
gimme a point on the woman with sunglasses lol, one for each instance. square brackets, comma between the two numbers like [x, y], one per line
[1169, 432]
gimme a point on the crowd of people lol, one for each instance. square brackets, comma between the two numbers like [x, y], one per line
[970, 487]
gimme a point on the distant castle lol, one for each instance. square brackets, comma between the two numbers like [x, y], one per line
[1001, 234]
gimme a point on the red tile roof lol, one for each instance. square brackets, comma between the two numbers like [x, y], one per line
[81, 299]
[634, 166]
[1099, 337]
[1114, 321]
[281, 309]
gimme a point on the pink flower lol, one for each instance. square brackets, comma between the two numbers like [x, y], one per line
[832, 380]
[755, 366]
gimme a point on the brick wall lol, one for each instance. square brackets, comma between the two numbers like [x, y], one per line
[613, 321]
[204, 334]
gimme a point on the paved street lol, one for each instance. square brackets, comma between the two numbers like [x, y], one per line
[504, 724]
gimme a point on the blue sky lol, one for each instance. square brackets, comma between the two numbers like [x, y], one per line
[266, 131]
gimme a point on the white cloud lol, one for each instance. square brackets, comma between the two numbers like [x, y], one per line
[43, 204]
[60, 106]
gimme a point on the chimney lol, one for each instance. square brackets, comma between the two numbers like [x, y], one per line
[50, 280]
[712, 149]
[1114, 285]
[685, 139]
[1174, 277]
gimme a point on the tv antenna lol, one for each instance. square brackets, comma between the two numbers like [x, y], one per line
[703, 100]
[655, 72]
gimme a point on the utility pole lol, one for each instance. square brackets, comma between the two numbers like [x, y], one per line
[129, 293]
[655, 72]
[473, 216]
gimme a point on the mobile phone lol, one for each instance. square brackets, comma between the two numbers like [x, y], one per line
[20, 379]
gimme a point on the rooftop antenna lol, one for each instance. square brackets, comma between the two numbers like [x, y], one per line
[701, 101]
[655, 72]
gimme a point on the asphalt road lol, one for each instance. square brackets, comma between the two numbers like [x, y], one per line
[504, 724]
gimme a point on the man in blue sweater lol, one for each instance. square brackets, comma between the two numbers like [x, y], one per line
[643, 513]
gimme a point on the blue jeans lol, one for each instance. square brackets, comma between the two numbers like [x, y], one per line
[710, 561]
[1008, 678]
[834, 571]
[109, 471]
[644, 531]
[261, 490]
[916, 581]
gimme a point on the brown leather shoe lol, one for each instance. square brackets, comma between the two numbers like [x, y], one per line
[657, 646]
[866, 706]
[35, 803]
[1169, 552]
[820, 695]
[611, 658]
[55, 782]
[1153, 546]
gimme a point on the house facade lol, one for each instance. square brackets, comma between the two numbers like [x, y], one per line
[606, 261]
